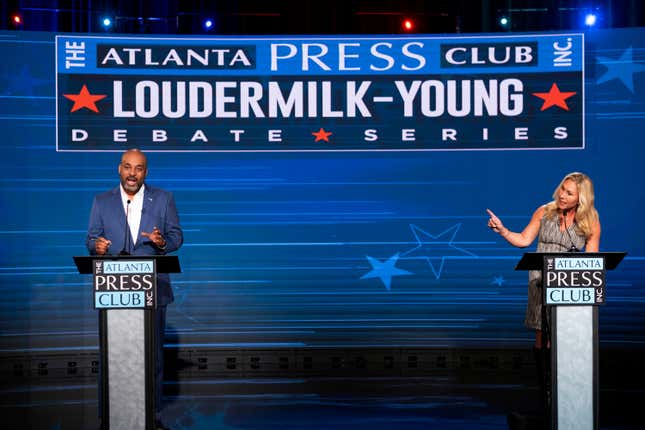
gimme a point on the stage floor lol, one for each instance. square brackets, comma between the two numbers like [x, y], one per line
[448, 401]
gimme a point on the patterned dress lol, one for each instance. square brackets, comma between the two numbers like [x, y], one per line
[550, 239]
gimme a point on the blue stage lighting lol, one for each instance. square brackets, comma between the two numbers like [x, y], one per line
[503, 21]
[208, 24]
[106, 22]
[590, 19]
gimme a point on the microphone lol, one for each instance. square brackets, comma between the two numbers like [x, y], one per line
[573, 247]
[126, 239]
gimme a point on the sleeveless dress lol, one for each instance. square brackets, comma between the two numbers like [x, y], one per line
[550, 239]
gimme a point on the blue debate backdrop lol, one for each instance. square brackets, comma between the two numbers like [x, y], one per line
[317, 239]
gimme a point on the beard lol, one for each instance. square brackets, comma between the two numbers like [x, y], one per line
[130, 187]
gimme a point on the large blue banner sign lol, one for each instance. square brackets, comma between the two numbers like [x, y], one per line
[413, 93]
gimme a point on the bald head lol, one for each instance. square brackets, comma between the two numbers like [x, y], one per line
[136, 153]
[133, 170]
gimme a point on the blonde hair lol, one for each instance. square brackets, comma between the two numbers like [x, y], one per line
[586, 213]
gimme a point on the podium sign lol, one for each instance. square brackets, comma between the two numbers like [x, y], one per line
[574, 279]
[125, 284]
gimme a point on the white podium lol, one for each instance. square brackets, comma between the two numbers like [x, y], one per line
[573, 286]
[124, 289]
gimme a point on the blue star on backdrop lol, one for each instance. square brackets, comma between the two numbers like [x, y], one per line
[498, 280]
[622, 69]
[435, 249]
[23, 83]
[385, 270]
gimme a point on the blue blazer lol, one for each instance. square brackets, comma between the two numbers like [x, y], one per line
[107, 219]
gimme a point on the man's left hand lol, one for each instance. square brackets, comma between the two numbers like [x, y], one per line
[156, 237]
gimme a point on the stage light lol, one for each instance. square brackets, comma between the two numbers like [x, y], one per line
[408, 25]
[590, 19]
[106, 22]
[208, 24]
[16, 20]
[503, 21]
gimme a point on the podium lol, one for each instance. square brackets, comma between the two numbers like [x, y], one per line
[125, 296]
[573, 286]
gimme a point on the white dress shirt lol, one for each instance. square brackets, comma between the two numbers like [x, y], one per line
[133, 213]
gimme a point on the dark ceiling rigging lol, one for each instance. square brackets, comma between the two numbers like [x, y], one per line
[248, 17]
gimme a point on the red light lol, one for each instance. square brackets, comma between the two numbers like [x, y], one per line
[408, 25]
[17, 19]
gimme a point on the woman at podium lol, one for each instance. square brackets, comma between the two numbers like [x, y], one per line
[569, 223]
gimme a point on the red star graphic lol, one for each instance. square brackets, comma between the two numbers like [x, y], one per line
[322, 135]
[554, 97]
[84, 100]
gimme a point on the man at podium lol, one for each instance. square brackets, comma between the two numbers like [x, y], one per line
[138, 219]
[569, 223]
